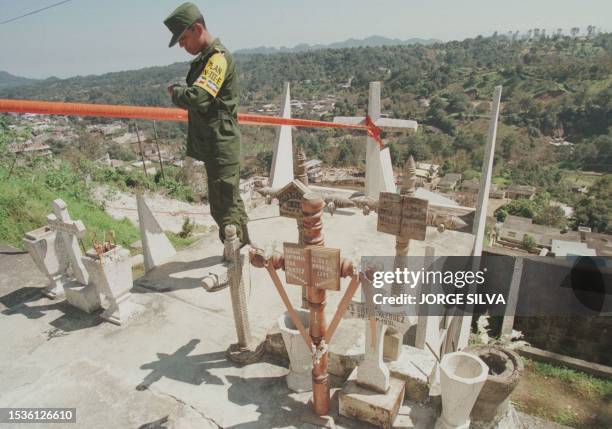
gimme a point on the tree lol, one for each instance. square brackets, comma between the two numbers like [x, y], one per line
[507, 144]
[264, 160]
[457, 102]
[595, 209]
[528, 242]
[550, 215]
[501, 215]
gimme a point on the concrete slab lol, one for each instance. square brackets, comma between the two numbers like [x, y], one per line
[379, 409]
[173, 354]
[414, 367]
[165, 368]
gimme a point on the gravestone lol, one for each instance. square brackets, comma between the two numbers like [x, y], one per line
[47, 251]
[281, 172]
[370, 393]
[379, 169]
[79, 292]
[111, 273]
[156, 247]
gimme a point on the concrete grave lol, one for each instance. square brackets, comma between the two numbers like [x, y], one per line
[371, 394]
[361, 403]
[111, 273]
[156, 247]
[281, 172]
[79, 292]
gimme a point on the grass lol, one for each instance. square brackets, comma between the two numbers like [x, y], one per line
[179, 242]
[584, 384]
[26, 197]
[565, 396]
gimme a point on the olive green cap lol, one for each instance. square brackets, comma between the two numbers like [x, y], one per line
[180, 20]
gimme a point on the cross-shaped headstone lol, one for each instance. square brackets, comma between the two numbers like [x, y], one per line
[372, 372]
[379, 169]
[70, 232]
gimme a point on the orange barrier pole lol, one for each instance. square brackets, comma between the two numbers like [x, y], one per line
[164, 114]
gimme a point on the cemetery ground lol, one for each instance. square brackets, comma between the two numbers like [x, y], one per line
[167, 367]
[580, 400]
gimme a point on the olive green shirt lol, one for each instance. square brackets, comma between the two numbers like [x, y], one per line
[213, 135]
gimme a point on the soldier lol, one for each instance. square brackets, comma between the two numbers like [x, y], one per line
[211, 99]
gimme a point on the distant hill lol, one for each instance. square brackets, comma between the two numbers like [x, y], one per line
[8, 80]
[371, 41]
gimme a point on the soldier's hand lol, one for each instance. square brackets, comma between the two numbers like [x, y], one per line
[170, 89]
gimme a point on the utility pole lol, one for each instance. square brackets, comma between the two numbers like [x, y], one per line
[144, 166]
[161, 166]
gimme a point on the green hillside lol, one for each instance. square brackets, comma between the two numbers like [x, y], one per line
[554, 87]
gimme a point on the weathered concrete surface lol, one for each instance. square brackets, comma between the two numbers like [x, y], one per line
[415, 368]
[168, 363]
[379, 409]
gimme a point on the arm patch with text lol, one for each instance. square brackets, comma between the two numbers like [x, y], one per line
[213, 75]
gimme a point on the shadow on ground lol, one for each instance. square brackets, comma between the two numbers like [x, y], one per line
[177, 275]
[22, 302]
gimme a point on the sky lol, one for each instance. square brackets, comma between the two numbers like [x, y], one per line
[83, 37]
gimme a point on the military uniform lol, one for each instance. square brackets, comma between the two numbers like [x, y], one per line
[211, 99]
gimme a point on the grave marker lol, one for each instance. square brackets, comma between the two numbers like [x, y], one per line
[370, 393]
[317, 269]
[379, 170]
[79, 292]
[281, 171]
[289, 205]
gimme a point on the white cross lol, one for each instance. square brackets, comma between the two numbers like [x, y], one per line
[70, 231]
[379, 169]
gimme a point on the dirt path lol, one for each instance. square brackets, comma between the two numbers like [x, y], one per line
[168, 212]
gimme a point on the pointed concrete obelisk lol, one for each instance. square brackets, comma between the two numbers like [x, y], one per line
[462, 333]
[281, 172]
[156, 247]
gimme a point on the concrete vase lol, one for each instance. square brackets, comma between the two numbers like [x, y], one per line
[462, 376]
[505, 370]
[111, 273]
[46, 250]
[299, 378]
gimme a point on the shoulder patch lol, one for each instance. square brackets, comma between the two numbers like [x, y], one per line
[213, 76]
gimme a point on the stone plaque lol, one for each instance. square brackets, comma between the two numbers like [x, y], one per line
[290, 199]
[414, 218]
[325, 268]
[389, 213]
[297, 264]
[359, 310]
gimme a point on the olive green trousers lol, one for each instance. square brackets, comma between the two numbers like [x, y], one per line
[226, 205]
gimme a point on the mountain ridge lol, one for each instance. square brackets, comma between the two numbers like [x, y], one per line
[8, 80]
[371, 41]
